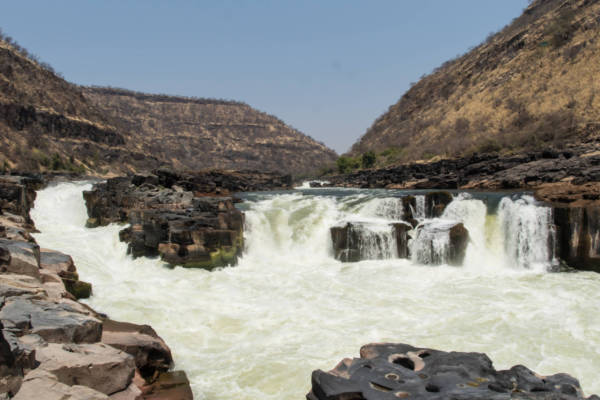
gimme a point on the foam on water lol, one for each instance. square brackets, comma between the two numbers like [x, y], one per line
[257, 330]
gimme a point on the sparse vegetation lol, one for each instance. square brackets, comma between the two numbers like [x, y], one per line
[512, 93]
[347, 164]
[368, 159]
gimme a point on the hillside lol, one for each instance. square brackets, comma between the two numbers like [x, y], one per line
[535, 83]
[47, 123]
[202, 133]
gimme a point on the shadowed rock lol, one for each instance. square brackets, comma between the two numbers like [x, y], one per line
[150, 352]
[392, 371]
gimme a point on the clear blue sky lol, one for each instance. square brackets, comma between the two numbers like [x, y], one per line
[326, 67]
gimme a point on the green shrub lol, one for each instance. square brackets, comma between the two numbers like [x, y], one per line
[347, 164]
[368, 159]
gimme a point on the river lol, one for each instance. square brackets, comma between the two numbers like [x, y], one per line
[258, 330]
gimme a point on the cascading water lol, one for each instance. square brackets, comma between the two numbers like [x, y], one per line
[528, 232]
[257, 330]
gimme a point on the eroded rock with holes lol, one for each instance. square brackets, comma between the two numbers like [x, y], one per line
[392, 371]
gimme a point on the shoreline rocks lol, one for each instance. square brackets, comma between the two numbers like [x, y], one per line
[53, 347]
[391, 371]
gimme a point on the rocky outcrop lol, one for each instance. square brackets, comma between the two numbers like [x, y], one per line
[576, 214]
[392, 371]
[580, 163]
[430, 241]
[51, 346]
[151, 354]
[185, 218]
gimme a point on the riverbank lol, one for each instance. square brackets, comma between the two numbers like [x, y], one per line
[53, 346]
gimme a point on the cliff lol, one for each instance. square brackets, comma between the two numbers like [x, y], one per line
[534, 82]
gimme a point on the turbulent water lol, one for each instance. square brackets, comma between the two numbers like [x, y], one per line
[257, 330]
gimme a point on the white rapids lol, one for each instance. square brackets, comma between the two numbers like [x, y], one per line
[258, 330]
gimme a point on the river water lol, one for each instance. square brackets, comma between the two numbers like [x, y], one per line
[258, 330]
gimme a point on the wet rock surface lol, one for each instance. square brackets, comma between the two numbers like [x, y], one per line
[186, 219]
[392, 371]
[440, 242]
[51, 346]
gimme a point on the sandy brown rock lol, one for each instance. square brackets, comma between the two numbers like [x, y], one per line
[150, 352]
[56, 322]
[40, 384]
[98, 366]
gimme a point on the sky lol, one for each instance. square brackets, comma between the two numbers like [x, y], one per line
[326, 67]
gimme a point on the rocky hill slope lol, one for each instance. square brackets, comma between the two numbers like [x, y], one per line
[47, 123]
[534, 82]
[203, 133]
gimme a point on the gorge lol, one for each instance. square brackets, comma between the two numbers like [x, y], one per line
[258, 329]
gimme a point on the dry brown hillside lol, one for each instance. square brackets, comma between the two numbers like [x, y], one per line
[536, 82]
[47, 123]
[205, 133]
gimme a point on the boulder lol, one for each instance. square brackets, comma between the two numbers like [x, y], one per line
[169, 386]
[98, 366]
[55, 322]
[355, 241]
[150, 352]
[131, 393]
[40, 384]
[21, 258]
[402, 238]
[578, 236]
[436, 202]
[10, 371]
[391, 371]
[59, 263]
[62, 266]
[13, 285]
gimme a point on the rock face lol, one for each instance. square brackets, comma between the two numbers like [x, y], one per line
[392, 371]
[430, 242]
[51, 346]
[182, 217]
[576, 213]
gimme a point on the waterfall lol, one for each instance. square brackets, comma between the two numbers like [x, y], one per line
[258, 330]
[527, 232]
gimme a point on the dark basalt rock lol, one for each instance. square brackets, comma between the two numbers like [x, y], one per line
[183, 217]
[578, 230]
[392, 371]
[17, 194]
[453, 235]
[402, 238]
[436, 202]
[484, 171]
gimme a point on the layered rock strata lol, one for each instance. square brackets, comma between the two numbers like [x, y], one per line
[186, 219]
[392, 371]
[53, 347]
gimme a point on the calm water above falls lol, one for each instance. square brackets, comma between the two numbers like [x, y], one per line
[258, 330]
